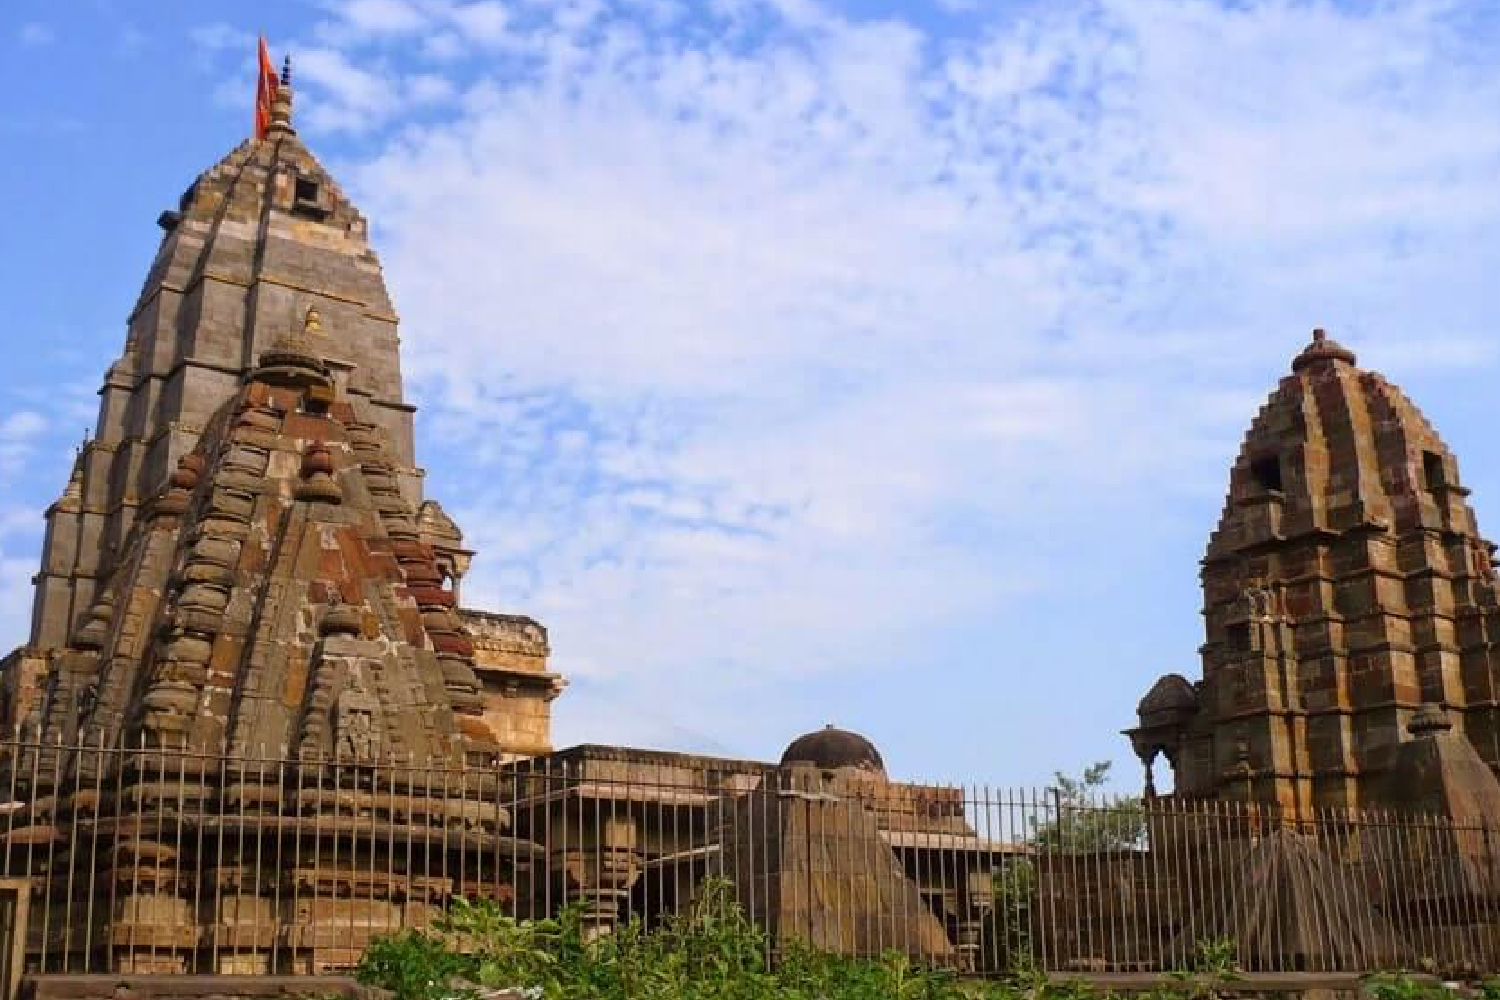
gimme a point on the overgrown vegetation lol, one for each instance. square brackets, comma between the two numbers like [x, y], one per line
[712, 951]
[1075, 818]
[1081, 818]
[1008, 923]
[1403, 986]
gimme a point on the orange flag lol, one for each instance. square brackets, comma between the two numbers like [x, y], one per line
[265, 91]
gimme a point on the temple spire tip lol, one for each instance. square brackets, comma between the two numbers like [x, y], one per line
[273, 94]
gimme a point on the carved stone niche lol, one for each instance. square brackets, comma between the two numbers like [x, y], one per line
[1255, 603]
[355, 734]
[439, 530]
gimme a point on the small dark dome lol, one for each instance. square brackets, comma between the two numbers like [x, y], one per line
[831, 748]
[1170, 700]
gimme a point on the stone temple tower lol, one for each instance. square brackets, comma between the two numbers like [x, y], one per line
[1346, 587]
[264, 324]
[246, 609]
[254, 241]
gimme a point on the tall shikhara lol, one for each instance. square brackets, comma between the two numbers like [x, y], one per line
[242, 559]
[1349, 601]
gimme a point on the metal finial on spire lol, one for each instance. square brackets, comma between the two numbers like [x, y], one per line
[281, 100]
[1323, 350]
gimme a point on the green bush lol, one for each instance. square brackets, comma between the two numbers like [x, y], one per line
[411, 964]
[1402, 986]
[710, 951]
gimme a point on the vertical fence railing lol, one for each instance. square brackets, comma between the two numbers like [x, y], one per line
[147, 859]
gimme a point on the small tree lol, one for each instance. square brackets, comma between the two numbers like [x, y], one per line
[1081, 818]
[1010, 919]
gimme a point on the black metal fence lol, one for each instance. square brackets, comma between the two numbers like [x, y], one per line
[157, 860]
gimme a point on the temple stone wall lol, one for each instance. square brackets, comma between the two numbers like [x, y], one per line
[813, 868]
[23, 679]
[510, 659]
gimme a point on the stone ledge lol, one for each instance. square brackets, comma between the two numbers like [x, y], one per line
[149, 987]
[1250, 984]
[209, 987]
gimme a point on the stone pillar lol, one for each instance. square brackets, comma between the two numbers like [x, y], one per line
[600, 862]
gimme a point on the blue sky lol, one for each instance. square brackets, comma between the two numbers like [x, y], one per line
[802, 362]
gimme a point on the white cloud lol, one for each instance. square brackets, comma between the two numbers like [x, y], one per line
[779, 343]
[479, 21]
[355, 98]
[358, 93]
[15, 597]
[428, 88]
[19, 521]
[18, 437]
[23, 425]
[34, 34]
[380, 17]
[484, 21]
[20, 535]
[442, 47]
[1274, 160]
[219, 36]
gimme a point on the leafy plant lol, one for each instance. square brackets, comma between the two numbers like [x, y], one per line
[1037, 985]
[1079, 823]
[1009, 921]
[499, 950]
[1217, 958]
[412, 965]
[1214, 967]
[709, 951]
[1403, 986]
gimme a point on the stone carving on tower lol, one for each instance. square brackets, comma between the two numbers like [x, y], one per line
[1346, 586]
